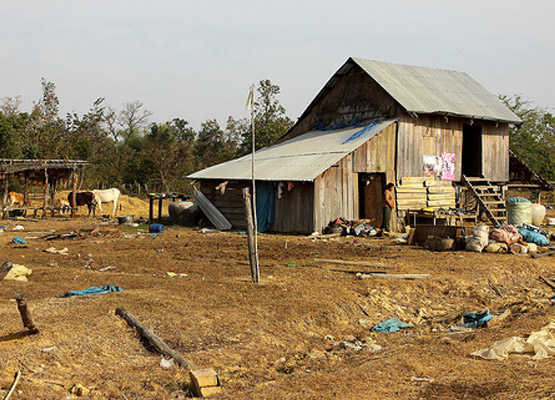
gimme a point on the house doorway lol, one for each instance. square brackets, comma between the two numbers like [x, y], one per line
[472, 150]
[371, 187]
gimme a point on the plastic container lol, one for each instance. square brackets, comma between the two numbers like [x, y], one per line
[519, 210]
[156, 228]
[538, 214]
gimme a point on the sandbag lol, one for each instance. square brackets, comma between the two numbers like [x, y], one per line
[506, 234]
[496, 247]
[437, 243]
[518, 248]
[519, 210]
[479, 239]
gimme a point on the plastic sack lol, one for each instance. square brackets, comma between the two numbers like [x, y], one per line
[533, 237]
[519, 210]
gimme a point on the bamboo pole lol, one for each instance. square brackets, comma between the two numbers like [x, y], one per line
[46, 190]
[5, 200]
[74, 193]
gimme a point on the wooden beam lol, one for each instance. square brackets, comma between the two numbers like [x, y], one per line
[154, 340]
[253, 254]
[358, 263]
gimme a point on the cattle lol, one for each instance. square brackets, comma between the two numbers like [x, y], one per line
[16, 199]
[107, 196]
[64, 205]
[84, 198]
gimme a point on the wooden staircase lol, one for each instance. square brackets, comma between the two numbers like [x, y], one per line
[489, 197]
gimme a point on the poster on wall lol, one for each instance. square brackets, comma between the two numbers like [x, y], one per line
[447, 166]
[432, 166]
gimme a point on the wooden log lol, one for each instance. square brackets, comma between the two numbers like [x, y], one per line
[253, 254]
[154, 340]
[25, 313]
[349, 262]
[4, 269]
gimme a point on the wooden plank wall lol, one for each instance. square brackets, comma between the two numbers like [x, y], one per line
[378, 154]
[230, 204]
[432, 135]
[294, 211]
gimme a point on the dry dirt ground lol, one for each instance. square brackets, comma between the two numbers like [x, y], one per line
[273, 340]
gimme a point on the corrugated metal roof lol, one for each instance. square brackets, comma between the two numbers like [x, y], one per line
[436, 91]
[302, 158]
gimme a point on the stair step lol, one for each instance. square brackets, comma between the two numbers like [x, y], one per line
[475, 179]
[484, 187]
[489, 194]
[493, 202]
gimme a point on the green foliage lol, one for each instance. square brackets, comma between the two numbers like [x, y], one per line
[270, 120]
[534, 140]
[124, 148]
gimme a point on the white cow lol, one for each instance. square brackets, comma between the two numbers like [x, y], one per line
[107, 196]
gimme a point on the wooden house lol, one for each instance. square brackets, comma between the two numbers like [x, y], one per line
[372, 123]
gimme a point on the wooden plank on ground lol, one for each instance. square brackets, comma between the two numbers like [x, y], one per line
[374, 264]
[377, 275]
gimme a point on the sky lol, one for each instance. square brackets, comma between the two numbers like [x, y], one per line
[196, 59]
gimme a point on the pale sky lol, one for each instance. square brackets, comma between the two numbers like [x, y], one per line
[196, 60]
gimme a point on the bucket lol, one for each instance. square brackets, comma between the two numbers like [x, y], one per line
[156, 228]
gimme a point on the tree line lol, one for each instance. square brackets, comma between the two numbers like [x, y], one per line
[125, 148]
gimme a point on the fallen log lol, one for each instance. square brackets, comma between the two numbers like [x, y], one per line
[373, 264]
[25, 313]
[373, 275]
[4, 269]
[154, 340]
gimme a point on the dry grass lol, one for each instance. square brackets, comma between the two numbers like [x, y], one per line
[266, 341]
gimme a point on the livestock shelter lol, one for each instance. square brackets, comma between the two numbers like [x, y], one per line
[49, 174]
[372, 123]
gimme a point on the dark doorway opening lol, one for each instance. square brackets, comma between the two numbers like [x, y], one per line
[371, 187]
[472, 150]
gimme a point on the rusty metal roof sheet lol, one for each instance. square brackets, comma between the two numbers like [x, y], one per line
[437, 91]
[302, 158]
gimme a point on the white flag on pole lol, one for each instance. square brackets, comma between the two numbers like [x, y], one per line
[250, 98]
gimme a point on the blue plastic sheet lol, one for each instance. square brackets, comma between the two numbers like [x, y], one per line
[474, 320]
[533, 237]
[93, 290]
[19, 240]
[391, 325]
[361, 132]
[265, 201]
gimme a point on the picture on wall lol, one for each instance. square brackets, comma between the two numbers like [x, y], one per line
[448, 166]
[432, 166]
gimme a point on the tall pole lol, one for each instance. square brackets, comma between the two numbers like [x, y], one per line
[256, 276]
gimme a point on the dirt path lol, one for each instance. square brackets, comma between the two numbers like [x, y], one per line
[277, 340]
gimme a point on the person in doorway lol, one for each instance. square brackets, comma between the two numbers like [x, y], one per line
[388, 205]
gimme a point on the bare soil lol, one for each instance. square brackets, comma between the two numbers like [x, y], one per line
[273, 340]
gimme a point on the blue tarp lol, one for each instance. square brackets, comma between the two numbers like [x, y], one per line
[361, 132]
[391, 325]
[93, 290]
[264, 206]
[19, 240]
[533, 237]
[474, 320]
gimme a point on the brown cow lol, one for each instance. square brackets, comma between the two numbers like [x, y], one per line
[85, 198]
[16, 199]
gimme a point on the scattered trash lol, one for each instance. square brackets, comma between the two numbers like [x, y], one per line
[19, 240]
[539, 345]
[79, 390]
[209, 230]
[49, 349]
[416, 379]
[18, 273]
[53, 250]
[167, 364]
[107, 268]
[159, 250]
[391, 325]
[93, 290]
[156, 228]
[364, 323]
[19, 228]
[474, 321]
[153, 235]
[174, 274]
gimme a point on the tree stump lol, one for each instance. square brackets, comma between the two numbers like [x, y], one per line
[25, 313]
[4, 269]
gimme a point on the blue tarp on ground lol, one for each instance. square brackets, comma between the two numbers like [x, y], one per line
[264, 206]
[391, 325]
[93, 290]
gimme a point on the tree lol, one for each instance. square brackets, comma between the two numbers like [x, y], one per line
[534, 140]
[212, 146]
[271, 123]
[133, 120]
